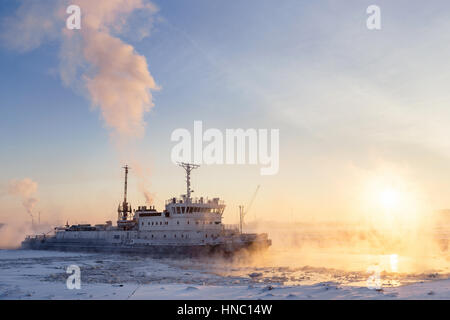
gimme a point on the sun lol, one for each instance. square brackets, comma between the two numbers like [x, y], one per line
[393, 202]
[389, 198]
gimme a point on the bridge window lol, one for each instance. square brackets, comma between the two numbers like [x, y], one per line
[178, 222]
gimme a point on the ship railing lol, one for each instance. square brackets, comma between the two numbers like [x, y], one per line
[196, 200]
[36, 237]
[230, 227]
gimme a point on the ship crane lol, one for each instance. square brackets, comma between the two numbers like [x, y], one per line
[243, 213]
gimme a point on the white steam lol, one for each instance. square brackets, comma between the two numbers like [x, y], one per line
[26, 189]
[110, 71]
[94, 60]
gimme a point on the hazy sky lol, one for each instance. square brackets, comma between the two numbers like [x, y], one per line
[359, 111]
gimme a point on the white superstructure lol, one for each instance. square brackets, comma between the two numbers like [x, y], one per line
[185, 223]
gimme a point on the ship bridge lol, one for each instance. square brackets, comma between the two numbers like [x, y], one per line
[185, 205]
[188, 205]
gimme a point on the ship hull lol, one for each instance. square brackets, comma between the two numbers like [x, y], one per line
[154, 250]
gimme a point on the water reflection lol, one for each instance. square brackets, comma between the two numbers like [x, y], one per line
[307, 267]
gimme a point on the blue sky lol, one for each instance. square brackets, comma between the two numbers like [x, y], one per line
[349, 102]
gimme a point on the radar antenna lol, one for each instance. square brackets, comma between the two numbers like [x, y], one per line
[188, 167]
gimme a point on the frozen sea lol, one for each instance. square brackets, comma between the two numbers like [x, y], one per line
[275, 274]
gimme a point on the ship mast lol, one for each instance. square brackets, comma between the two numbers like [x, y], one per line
[125, 208]
[125, 186]
[188, 167]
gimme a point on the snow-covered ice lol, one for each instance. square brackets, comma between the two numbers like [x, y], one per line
[42, 275]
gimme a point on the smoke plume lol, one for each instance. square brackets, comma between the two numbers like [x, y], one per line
[25, 189]
[95, 61]
[13, 233]
[148, 197]
[117, 79]
[142, 173]
[114, 76]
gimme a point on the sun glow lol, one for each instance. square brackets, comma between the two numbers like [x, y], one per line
[393, 201]
[390, 198]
